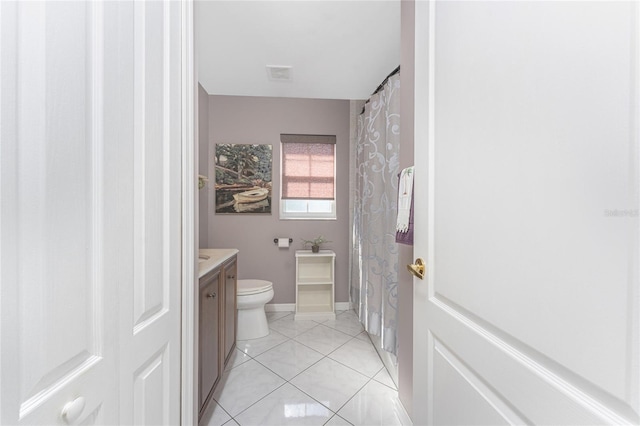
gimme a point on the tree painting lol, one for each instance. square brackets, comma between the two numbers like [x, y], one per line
[243, 178]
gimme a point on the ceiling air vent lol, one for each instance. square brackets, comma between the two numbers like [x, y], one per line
[279, 72]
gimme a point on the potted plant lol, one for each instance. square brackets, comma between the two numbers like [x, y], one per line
[315, 243]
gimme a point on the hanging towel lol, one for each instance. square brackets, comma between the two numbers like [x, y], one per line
[405, 190]
[404, 226]
[406, 237]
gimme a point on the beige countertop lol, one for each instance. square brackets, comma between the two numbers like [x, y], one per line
[215, 257]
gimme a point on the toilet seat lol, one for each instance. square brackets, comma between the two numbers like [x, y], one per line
[248, 287]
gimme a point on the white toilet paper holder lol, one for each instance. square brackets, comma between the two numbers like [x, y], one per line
[275, 240]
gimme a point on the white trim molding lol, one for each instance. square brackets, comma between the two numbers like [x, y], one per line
[280, 307]
[291, 307]
[189, 409]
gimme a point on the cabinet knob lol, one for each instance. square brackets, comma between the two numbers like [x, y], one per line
[211, 295]
[231, 277]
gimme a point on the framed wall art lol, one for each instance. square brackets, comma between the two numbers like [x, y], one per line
[243, 178]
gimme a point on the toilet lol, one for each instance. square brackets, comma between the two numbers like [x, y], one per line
[252, 320]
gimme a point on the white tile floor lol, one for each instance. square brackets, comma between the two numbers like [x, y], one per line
[307, 373]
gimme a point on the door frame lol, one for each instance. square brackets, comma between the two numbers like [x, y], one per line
[188, 409]
[423, 154]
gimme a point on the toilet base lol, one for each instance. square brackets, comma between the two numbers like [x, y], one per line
[252, 323]
[251, 297]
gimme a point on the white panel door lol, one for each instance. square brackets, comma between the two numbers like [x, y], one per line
[150, 325]
[527, 199]
[89, 213]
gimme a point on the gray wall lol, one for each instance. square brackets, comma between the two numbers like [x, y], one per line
[203, 165]
[258, 120]
[405, 281]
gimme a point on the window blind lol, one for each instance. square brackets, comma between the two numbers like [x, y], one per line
[308, 167]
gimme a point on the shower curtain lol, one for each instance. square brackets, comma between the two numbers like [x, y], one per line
[374, 273]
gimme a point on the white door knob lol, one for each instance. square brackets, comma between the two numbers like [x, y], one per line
[72, 410]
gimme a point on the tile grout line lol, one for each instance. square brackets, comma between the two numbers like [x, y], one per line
[234, 419]
[323, 356]
[353, 396]
[286, 381]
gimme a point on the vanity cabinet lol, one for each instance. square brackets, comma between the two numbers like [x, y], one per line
[230, 307]
[209, 336]
[315, 285]
[217, 321]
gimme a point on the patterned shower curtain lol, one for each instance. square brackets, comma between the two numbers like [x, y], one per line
[374, 274]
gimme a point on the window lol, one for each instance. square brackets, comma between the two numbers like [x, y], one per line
[308, 177]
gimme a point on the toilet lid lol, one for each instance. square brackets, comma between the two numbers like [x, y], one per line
[253, 286]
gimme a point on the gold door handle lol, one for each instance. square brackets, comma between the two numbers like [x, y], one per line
[417, 269]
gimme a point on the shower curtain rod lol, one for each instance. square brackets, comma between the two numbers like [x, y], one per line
[394, 72]
[381, 86]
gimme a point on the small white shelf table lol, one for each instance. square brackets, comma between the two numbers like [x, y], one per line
[315, 285]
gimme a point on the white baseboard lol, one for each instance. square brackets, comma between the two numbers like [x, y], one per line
[291, 307]
[280, 307]
[343, 306]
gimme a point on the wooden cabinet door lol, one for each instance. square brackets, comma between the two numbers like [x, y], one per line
[230, 312]
[209, 334]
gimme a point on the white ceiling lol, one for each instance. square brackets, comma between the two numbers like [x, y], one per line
[338, 49]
